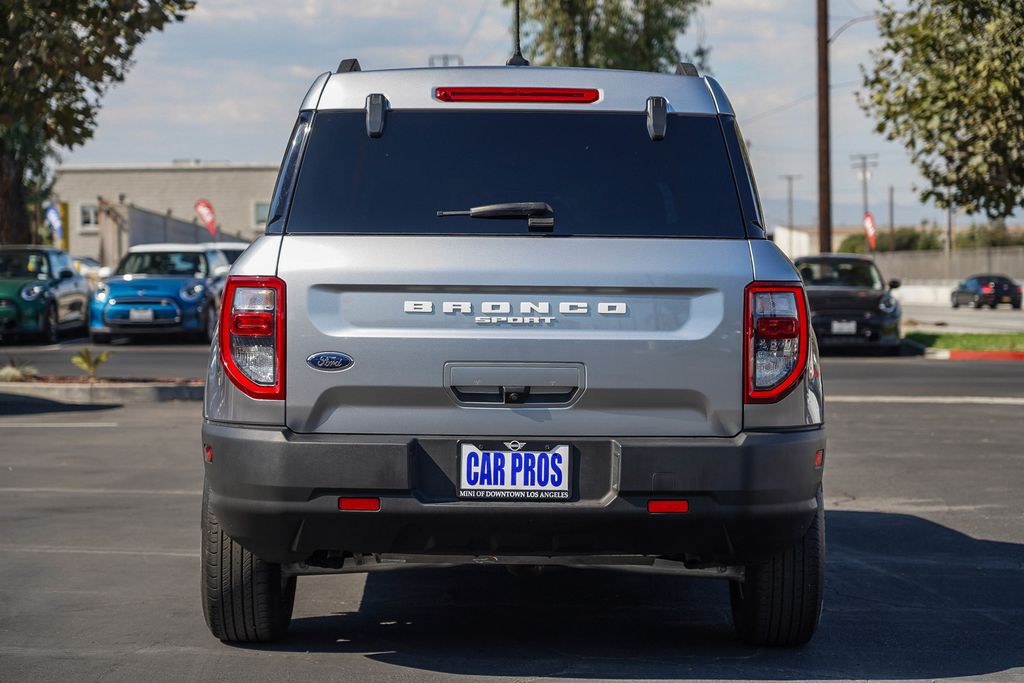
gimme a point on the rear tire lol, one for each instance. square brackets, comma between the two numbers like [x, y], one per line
[779, 602]
[245, 600]
[956, 303]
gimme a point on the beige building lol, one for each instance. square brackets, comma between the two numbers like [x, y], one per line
[240, 194]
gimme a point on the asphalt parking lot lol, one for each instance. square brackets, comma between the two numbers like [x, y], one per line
[99, 533]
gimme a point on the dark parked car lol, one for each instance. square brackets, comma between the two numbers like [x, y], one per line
[851, 305]
[40, 293]
[986, 290]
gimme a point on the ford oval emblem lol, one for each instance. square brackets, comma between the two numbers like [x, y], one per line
[330, 361]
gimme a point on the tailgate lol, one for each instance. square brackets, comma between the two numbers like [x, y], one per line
[515, 336]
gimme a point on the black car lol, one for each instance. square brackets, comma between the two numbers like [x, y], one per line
[851, 305]
[986, 290]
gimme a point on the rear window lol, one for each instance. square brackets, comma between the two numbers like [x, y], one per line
[600, 172]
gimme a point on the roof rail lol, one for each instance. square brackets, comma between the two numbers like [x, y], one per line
[349, 65]
[686, 69]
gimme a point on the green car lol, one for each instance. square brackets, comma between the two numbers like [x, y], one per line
[41, 294]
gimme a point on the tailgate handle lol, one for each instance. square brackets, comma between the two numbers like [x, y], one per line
[513, 384]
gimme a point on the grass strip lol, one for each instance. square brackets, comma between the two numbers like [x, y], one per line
[1002, 341]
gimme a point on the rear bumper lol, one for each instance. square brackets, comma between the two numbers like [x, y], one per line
[276, 493]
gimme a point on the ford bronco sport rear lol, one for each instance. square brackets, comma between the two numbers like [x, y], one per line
[528, 315]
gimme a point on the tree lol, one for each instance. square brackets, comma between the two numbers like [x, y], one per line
[611, 34]
[948, 82]
[57, 59]
[907, 239]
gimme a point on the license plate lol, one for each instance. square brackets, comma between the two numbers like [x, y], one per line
[1006, 299]
[844, 327]
[140, 315]
[514, 471]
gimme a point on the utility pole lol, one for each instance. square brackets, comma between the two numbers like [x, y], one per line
[789, 178]
[892, 219]
[863, 163]
[824, 133]
[788, 203]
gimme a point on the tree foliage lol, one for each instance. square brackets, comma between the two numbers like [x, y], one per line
[57, 59]
[612, 34]
[995, 234]
[907, 239]
[948, 82]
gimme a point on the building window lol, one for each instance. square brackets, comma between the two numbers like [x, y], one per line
[88, 218]
[262, 212]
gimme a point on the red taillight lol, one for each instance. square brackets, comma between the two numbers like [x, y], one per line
[776, 338]
[777, 328]
[485, 94]
[252, 335]
[819, 458]
[208, 452]
[259, 324]
[360, 504]
[987, 289]
[662, 506]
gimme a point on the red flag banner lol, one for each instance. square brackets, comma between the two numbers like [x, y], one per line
[204, 210]
[870, 230]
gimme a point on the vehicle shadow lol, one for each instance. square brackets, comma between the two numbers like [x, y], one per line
[12, 404]
[905, 598]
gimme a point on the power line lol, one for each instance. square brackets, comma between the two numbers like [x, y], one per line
[793, 103]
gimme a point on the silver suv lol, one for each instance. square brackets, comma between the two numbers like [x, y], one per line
[519, 316]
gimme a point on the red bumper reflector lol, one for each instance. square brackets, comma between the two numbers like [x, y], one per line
[668, 506]
[208, 452]
[484, 94]
[364, 504]
[819, 458]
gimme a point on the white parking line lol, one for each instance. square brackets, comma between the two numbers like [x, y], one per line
[101, 492]
[55, 425]
[95, 551]
[937, 400]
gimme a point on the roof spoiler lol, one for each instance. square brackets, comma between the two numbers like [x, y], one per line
[686, 69]
[346, 66]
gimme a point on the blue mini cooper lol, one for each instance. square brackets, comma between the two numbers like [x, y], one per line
[160, 288]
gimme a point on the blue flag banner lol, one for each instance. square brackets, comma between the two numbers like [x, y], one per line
[53, 218]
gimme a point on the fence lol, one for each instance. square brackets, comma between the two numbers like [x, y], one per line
[123, 226]
[923, 266]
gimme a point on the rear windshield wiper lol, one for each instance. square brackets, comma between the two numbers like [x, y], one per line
[540, 216]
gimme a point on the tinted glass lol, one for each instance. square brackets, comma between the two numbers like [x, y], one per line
[231, 254]
[833, 273]
[24, 264]
[600, 172]
[996, 280]
[185, 263]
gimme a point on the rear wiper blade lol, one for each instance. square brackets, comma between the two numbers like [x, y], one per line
[540, 216]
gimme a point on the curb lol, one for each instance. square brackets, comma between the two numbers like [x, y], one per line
[960, 354]
[100, 393]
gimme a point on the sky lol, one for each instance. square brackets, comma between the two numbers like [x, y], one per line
[224, 85]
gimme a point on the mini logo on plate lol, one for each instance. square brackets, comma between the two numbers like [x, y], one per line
[329, 361]
[515, 445]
